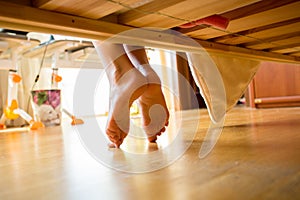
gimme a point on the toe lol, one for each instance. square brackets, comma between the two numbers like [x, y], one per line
[152, 139]
[167, 123]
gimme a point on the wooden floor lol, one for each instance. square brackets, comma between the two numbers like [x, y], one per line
[257, 156]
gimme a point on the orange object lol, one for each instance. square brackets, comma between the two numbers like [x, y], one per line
[76, 121]
[57, 78]
[16, 78]
[9, 110]
[33, 125]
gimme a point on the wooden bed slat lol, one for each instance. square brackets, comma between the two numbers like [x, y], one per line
[276, 15]
[251, 9]
[294, 49]
[275, 44]
[267, 38]
[93, 9]
[26, 18]
[141, 11]
[262, 33]
[188, 10]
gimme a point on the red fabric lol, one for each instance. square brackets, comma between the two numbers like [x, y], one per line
[213, 20]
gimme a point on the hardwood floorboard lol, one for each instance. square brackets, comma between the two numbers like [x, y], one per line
[257, 156]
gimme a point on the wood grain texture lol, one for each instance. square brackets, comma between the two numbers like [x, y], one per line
[257, 20]
[277, 80]
[14, 16]
[187, 10]
[275, 85]
[256, 157]
[142, 11]
[279, 44]
[93, 9]
[257, 35]
[275, 15]
[247, 10]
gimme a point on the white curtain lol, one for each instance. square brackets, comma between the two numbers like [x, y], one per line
[28, 68]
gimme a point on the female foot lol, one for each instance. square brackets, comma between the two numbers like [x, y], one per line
[129, 87]
[126, 85]
[155, 114]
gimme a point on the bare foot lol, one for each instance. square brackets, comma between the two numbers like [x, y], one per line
[155, 114]
[127, 88]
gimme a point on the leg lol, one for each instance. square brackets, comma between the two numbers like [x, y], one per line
[152, 102]
[126, 85]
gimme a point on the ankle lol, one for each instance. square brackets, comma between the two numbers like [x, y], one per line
[153, 79]
[115, 73]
